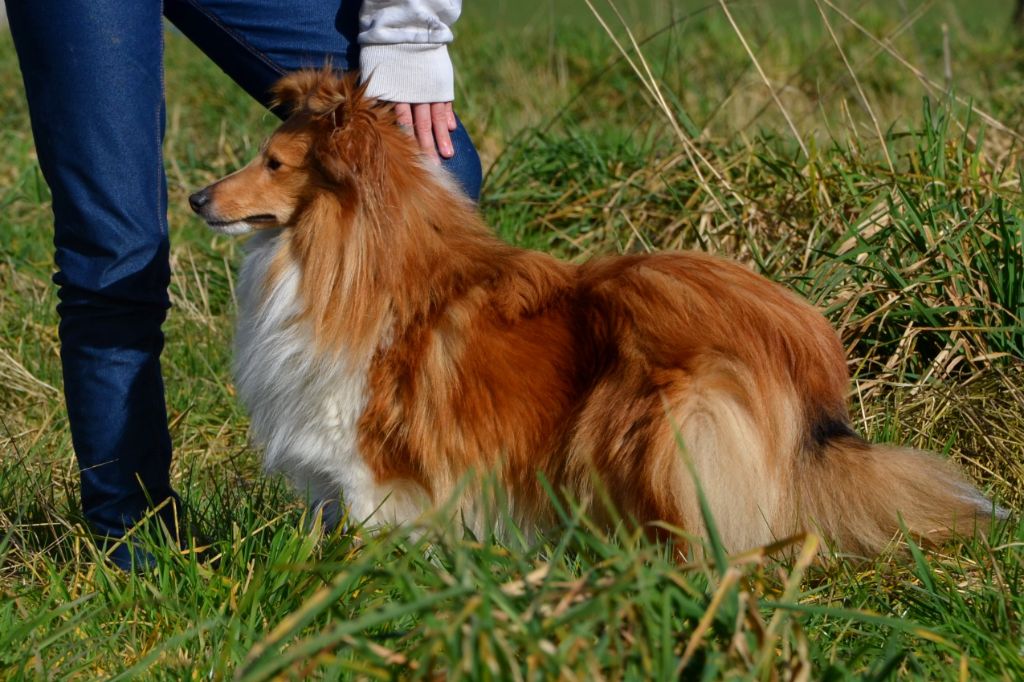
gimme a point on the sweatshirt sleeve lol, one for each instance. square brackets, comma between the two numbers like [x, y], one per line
[404, 49]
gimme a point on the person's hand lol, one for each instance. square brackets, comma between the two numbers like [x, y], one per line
[430, 124]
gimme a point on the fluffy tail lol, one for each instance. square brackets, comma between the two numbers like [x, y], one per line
[857, 493]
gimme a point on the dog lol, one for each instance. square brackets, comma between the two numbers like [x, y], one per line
[389, 347]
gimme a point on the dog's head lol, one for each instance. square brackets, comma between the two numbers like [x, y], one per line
[365, 212]
[330, 141]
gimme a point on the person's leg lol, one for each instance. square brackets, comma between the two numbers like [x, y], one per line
[94, 81]
[258, 42]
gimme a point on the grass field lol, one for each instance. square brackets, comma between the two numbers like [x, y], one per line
[866, 154]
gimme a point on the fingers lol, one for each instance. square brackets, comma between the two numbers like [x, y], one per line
[423, 129]
[452, 123]
[404, 113]
[440, 115]
[431, 125]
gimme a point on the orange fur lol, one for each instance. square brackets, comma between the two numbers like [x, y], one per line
[484, 357]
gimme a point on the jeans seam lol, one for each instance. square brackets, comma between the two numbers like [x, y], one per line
[161, 210]
[242, 42]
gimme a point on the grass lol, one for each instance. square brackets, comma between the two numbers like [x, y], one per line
[869, 177]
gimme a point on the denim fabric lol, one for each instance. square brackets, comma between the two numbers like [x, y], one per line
[93, 72]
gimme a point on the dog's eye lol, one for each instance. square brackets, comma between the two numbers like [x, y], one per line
[273, 163]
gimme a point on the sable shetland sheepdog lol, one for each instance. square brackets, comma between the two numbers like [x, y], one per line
[389, 345]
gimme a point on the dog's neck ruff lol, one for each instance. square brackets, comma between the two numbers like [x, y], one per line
[304, 404]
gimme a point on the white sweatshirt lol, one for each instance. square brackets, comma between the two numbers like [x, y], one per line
[404, 49]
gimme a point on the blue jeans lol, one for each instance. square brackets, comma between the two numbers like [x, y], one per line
[93, 72]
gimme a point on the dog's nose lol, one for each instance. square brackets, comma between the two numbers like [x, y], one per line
[199, 199]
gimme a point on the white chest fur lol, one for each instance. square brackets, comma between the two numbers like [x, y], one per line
[304, 405]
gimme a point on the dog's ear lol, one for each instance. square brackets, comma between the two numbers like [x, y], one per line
[350, 139]
[353, 148]
[347, 122]
[318, 92]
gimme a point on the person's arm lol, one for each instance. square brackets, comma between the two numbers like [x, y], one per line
[404, 54]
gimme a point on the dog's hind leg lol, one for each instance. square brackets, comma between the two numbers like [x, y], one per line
[706, 429]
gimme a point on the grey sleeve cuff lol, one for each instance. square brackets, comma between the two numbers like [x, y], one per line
[408, 72]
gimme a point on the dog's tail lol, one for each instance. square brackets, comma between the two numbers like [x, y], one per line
[859, 495]
[762, 485]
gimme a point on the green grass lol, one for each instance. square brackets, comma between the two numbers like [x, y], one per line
[903, 220]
